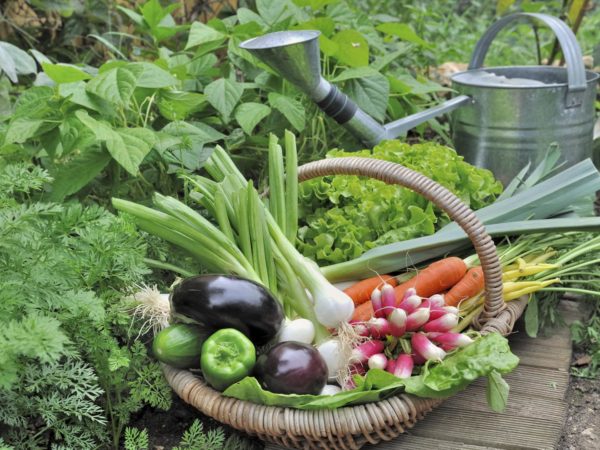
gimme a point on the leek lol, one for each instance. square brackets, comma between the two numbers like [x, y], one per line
[510, 216]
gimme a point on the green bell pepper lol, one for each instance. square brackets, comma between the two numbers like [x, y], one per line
[227, 357]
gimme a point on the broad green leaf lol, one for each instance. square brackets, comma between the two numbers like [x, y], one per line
[164, 33]
[248, 115]
[202, 65]
[64, 73]
[128, 146]
[497, 392]
[355, 72]
[153, 13]
[74, 136]
[503, 5]
[102, 130]
[341, 14]
[7, 65]
[292, 109]
[115, 85]
[532, 322]
[529, 6]
[246, 15]
[197, 131]
[353, 48]
[109, 65]
[370, 93]
[132, 147]
[247, 30]
[149, 75]
[314, 4]
[33, 103]
[21, 128]
[382, 61]
[203, 34]
[23, 62]
[190, 158]
[73, 175]
[324, 24]
[177, 105]
[76, 93]
[273, 11]
[182, 143]
[133, 16]
[223, 94]
[403, 31]
[39, 56]
[328, 47]
[406, 84]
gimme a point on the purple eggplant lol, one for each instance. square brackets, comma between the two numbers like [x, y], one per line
[225, 301]
[292, 368]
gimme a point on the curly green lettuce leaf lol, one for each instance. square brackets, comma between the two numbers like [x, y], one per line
[342, 216]
[488, 355]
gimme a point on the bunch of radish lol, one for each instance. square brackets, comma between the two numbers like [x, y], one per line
[425, 323]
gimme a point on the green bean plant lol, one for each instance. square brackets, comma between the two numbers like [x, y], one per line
[157, 107]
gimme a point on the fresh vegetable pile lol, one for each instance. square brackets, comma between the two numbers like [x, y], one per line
[277, 327]
[343, 216]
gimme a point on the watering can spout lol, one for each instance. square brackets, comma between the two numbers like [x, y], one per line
[294, 55]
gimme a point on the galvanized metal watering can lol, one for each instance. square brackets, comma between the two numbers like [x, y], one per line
[503, 117]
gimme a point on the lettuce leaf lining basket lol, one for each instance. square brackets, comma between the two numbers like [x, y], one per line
[351, 427]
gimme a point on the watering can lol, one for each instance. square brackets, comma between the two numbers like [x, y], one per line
[502, 117]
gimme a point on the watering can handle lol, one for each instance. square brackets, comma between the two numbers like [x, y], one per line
[568, 43]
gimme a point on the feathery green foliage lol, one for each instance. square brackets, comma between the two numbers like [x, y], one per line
[70, 377]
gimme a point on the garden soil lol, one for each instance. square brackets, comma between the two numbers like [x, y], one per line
[582, 426]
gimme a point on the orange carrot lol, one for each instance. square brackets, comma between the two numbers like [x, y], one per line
[471, 284]
[363, 312]
[361, 292]
[435, 278]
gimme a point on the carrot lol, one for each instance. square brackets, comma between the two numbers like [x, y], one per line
[435, 278]
[361, 292]
[363, 312]
[470, 285]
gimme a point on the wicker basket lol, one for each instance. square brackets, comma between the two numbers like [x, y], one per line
[353, 426]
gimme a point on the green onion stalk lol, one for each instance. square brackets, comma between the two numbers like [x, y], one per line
[246, 237]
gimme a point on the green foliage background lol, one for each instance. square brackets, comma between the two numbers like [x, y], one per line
[105, 98]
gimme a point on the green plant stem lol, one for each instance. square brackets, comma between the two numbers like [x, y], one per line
[276, 183]
[291, 186]
[167, 266]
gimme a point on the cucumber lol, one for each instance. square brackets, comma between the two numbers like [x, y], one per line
[179, 345]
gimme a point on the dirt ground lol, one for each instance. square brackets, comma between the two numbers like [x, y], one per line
[582, 427]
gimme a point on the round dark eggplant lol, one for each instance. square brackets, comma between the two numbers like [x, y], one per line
[292, 368]
[224, 301]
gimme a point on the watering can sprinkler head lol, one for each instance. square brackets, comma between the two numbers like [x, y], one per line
[295, 56]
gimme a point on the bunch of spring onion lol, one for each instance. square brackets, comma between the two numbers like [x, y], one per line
[249, 236]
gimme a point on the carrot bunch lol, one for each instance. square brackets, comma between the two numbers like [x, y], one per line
[448, 274]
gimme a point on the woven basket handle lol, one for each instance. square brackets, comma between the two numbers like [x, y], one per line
[393, 173]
